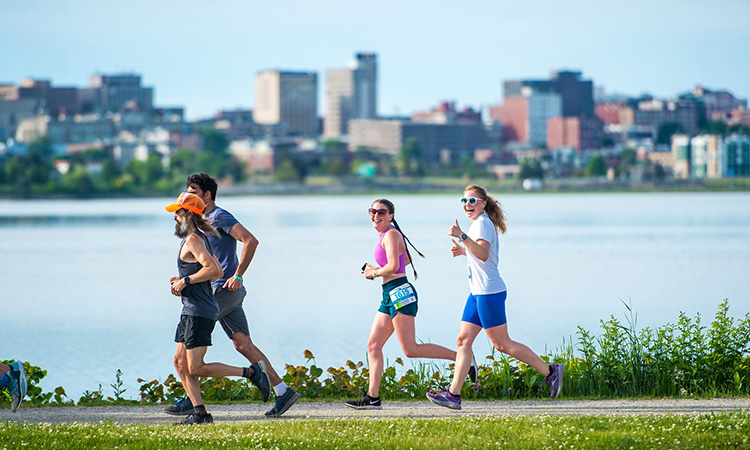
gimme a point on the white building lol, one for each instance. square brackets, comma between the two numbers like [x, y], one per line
[542, 107]
[287, 97]
[351, 93]
[716, 157]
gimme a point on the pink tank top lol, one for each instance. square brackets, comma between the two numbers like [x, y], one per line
[382, 258]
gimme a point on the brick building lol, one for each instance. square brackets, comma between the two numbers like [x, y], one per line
[524, 117]
[580, 133]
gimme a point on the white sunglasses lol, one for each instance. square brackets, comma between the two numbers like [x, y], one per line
[471, 200]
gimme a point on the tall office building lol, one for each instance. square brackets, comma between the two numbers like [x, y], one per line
[51, 99]
[577, 95]
[288, 99]
[116, 93]
[657, 113]
[529, 104]
[351, 93]
[524, 117]
[48, 99]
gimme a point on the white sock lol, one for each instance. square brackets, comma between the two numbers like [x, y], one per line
[280, 389]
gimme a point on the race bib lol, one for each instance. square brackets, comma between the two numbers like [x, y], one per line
[402, 296]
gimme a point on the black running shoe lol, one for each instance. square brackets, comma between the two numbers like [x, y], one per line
[197, 419]
[283, 403]
[473, 369]
[260, 379]
[365, 402]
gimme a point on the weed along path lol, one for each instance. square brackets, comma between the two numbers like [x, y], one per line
[153, 415]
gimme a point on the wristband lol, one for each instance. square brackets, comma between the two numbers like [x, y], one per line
[237, 278]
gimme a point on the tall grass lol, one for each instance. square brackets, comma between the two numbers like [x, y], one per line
[686, 358]
[682, 359]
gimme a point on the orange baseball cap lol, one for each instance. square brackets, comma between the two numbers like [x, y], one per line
[188, 201]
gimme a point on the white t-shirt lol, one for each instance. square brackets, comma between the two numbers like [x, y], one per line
[484, 277]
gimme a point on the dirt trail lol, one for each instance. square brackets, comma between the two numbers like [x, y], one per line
[153, 415]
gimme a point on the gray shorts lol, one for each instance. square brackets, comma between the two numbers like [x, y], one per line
[231, 316]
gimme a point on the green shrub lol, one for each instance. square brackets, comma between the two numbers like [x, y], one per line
[682, 359]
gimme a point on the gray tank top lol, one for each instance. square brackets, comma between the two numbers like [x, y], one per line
[197, 298]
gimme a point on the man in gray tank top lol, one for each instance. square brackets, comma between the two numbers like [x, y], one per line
[197, 267]
[229, 289]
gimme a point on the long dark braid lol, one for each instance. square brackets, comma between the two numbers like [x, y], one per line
[392, 210]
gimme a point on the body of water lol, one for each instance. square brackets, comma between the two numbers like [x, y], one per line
[85, 291]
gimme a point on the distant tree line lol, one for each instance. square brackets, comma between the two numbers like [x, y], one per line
[337, 161]
[34, 174]
[95, 172]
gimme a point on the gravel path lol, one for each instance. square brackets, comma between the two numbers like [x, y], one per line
[153, 415]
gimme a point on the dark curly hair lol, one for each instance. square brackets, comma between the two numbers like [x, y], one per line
[204, 182]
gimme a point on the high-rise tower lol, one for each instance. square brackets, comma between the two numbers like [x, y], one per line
[287, 98]
[351, 93]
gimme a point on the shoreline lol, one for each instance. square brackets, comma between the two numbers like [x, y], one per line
[433, 185]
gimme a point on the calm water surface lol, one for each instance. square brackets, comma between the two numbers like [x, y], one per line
[85, 289]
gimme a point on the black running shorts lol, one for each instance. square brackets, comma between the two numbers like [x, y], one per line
[194, 331]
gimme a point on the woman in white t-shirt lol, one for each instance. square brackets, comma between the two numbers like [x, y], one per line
[485, 307]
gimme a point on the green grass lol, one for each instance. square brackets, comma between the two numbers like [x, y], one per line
[729, 430]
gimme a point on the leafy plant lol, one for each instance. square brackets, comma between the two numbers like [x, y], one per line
[117, 386]
[681, 359]
[92, 398]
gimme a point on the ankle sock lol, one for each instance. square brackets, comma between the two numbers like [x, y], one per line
[246, 372]
[200, 410]
[280, 389]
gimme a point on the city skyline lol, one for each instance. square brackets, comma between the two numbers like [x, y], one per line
[205, 57]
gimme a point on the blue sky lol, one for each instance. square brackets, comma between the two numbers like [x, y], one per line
[203, 55]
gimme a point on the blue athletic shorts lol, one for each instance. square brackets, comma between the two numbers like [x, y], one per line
[487, 311]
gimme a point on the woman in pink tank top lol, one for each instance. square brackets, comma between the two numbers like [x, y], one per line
[398, 307]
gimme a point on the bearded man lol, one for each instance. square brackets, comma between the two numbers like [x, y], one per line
[197, 267]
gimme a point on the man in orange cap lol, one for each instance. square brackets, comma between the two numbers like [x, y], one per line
[230, 291]
[197, 267]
